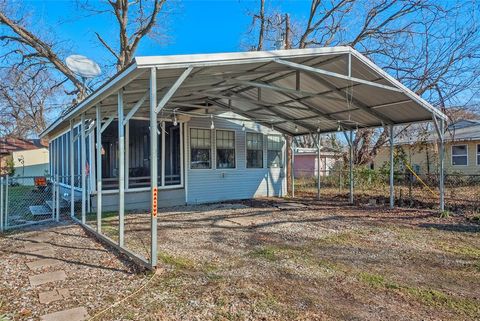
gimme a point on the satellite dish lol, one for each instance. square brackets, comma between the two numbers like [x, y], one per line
[82, 66]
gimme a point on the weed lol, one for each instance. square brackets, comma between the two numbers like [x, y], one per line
[268, 253]
[176, 261]
[445, 214]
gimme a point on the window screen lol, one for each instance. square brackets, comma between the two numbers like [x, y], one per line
[274, 151]
[225, 149]
[459, 155]
[200, 148]
[254, 150]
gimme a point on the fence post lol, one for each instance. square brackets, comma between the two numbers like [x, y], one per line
[6, 202]
[57, 200]
[1, 204]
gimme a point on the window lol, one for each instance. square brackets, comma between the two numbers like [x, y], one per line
[274, 151]
[478, 154]
[254, 150]
[225, 149]
[200, 148]
[459, 155]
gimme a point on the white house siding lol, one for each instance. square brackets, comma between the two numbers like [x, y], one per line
[210, 185]
[35, 163]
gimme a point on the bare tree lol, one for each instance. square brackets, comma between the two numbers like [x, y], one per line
[135, 19]
[39, 53]
[25, 102]
[431, 47]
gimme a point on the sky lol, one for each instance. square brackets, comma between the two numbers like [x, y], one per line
[192, 26]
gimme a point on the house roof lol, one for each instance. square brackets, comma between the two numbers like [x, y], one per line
[12, 144]
[296, 92]
[460, 130]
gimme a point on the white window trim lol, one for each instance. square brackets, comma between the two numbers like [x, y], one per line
[234, 148]
[451, 152]
[212, 142]
[263, 151]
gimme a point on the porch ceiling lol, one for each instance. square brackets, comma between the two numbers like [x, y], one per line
[296, 91]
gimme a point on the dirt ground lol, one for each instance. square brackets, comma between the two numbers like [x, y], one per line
[274, 260]
[271, 260]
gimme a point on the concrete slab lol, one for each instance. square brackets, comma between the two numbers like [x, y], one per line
[49, 296]
[76, 314]
[42, 263]
[52, 296]
[33, 247]
[291, 206]
[47, 277]
[45, 253]
[40, 237]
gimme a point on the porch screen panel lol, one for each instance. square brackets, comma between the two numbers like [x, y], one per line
[200, 148]
[139, 154]
[76, 157]
[172, 154]
[275, 151]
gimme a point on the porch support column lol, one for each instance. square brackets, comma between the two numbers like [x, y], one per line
[350, 158]
[72, 171]
[441, 164]
[83, 167]
[292, 167]
[121, 171]
[153, 166]
[99, 168]
[392, 192]
[318, 166]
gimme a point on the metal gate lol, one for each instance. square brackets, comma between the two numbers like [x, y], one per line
[27, 200]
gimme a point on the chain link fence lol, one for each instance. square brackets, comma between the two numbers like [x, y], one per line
[27, 200]
[462, 191]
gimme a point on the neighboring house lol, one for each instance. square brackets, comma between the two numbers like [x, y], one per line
[462, 150]
[306, 161]
[23, 157]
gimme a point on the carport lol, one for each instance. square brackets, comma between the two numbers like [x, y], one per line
[295, 92]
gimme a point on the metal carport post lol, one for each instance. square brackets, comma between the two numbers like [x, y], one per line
[392, 192]
[440, 128]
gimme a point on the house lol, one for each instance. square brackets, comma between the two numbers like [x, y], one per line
[23, 157]
[221, 122]
[462, 150]
[306, 161]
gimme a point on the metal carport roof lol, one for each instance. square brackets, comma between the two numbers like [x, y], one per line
[297, 91]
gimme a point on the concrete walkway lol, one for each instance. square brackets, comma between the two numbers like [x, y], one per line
[39, 248]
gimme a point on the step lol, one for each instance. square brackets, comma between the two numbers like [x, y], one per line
[40, 210]
[63, 204]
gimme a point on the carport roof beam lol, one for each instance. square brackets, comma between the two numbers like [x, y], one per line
[173, 89]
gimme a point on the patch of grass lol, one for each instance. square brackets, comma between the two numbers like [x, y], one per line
[177, 262]
[377, 281]
[463, 250]
[268, 253]
[428, 296]
[445, 214]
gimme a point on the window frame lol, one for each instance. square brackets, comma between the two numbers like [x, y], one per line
[283, 165]
[234, 148]
[466, 154]
[212, 160]
[263, 149]
[478, 154]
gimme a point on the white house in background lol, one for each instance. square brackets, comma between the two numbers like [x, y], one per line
[33, 162]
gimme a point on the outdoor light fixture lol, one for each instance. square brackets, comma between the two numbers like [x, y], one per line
[212, 126]
[339, 127]
[175, 121]
[296, 128]
[243, 126]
